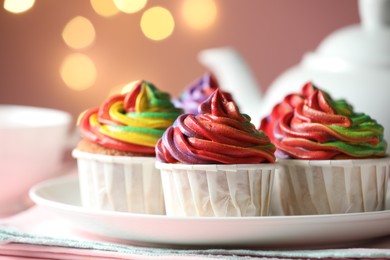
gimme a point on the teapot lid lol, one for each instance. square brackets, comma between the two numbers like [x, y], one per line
[366, 44]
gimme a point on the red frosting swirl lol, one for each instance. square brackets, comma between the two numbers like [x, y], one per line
[218, 134]
[316, 127]
[287, 105]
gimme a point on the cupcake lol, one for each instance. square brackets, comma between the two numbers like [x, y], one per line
[198, 92]
[333, 159]
[116, 155]
[216, 163]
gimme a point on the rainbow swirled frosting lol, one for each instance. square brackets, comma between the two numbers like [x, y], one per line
[130, 122]
[311, 125]
[219, 134]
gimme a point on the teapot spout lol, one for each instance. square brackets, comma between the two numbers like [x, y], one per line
[234, 76]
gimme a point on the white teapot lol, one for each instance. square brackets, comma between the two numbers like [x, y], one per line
[352, 63]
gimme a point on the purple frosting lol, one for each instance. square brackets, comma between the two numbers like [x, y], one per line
[198, 92]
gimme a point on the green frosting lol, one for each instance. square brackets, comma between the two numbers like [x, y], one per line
[322, 128]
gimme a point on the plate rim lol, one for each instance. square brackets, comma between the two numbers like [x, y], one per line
[39, 200]
[257, 232]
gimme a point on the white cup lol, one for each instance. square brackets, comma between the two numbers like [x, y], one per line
[32, 145]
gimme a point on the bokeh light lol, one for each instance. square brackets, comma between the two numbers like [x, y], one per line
[79, 33]
[18, 6]
[199, 14]
[78, 71]
[130, 6]
[104, 8]
[157, 23]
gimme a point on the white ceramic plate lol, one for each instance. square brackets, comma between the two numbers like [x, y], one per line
[61, 195]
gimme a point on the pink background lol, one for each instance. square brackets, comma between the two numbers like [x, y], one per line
[270, 35]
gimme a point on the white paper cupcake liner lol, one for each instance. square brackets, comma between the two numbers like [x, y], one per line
[307, 187]
[217, 190]
[120, 183]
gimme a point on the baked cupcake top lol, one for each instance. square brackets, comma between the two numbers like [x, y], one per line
[313, 126]
[219, 134]
[130, 122]
[197, 92]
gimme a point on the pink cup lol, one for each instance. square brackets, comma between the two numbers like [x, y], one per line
[32, 145]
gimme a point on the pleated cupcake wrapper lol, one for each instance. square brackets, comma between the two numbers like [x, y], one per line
[304, 187]
[120, 183]
[217, 190]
